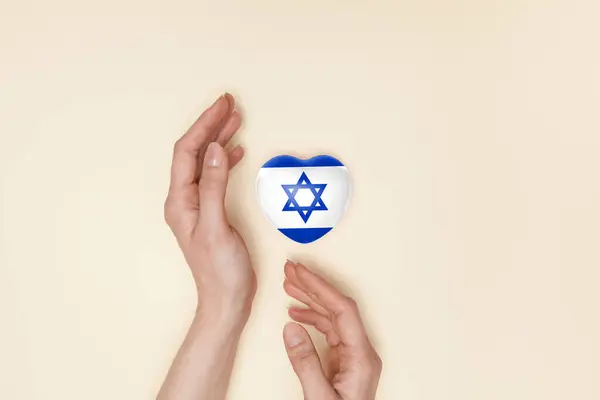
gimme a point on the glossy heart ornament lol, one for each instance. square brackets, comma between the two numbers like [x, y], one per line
[304, 199]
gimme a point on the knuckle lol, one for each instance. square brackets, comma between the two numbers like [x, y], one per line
[378, 362]
[212, 238]
[372, 364]
[207, 184]
[180, 145]
[350, 304]
[168, 212]
[304, 357]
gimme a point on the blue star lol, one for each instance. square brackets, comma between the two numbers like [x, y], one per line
[304, 183]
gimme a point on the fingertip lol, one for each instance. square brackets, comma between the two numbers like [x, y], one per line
[222, 107]
[229, 129]
[288, 325]
[299, 314]
[293, 291]
[306, 363]
[221, 102]
[286, 286]
[302, 272]
[235, 156]
[302, 266]
[238, 150]
[235, 114]
[293, 334]
[292, 311]
[288, 268]
[215, 155]
[237, 122]
[230, 100]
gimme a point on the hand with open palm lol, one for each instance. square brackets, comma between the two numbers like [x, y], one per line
[353, 368]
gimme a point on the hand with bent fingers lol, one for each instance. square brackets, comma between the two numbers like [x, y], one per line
[354, 367]
[195, 211]
[214, 251]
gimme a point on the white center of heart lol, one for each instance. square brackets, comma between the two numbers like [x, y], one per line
[304, 197]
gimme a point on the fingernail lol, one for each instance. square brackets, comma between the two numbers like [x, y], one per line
[238, 149]
[214, 155]
[292, 334]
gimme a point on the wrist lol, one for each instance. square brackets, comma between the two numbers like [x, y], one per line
[225, 317]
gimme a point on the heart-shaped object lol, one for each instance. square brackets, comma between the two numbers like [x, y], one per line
[304, 199]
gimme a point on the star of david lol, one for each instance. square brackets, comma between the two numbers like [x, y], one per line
[304, 183]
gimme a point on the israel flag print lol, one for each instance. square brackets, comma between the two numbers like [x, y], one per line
[304, 199]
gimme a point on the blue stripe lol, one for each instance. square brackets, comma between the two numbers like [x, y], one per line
[290, 161]
[305, 235]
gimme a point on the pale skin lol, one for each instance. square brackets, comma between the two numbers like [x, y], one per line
[226, 284]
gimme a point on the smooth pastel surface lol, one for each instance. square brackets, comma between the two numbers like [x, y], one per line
[471, 242]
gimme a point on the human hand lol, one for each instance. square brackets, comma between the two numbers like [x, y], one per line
[195, 211]
[353, 368]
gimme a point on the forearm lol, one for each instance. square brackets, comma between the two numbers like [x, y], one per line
[214, 251]
[202, 368]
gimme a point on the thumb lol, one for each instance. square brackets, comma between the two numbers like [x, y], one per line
[306, 363]
[213, 184]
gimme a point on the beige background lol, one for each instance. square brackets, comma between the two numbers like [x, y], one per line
[472, 132]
